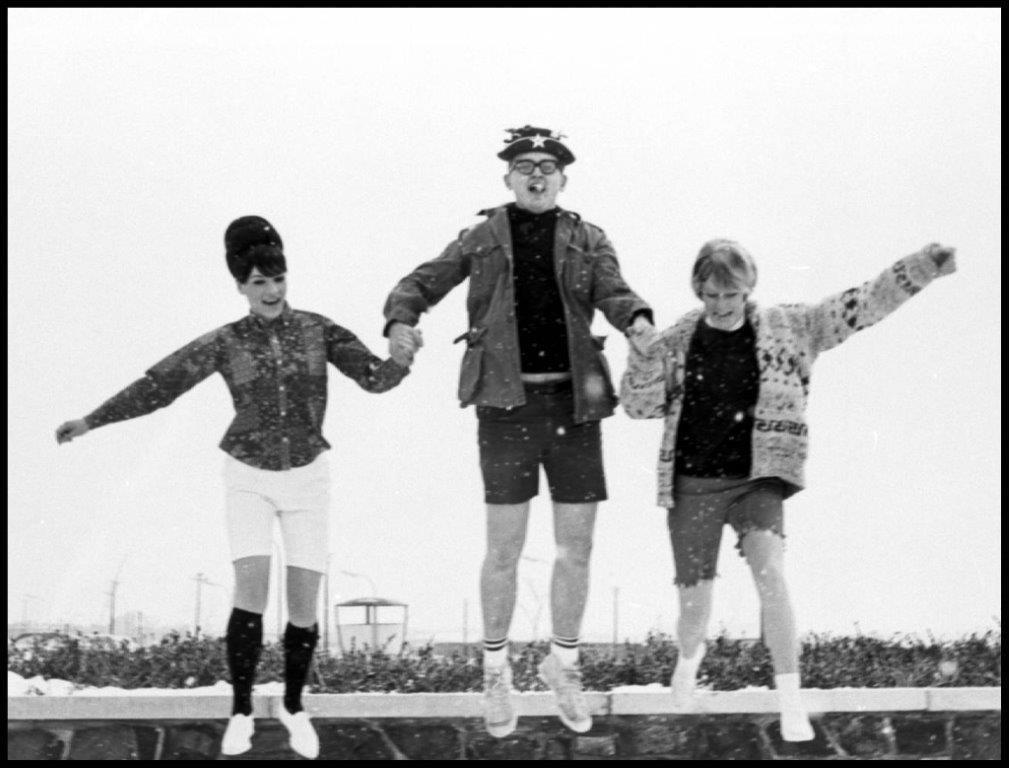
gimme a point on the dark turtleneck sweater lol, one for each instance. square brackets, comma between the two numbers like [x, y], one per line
[539, 309]
[721, 387]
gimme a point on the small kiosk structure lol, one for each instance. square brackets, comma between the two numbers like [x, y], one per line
[374, 622]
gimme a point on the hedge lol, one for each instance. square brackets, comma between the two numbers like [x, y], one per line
[827, 662]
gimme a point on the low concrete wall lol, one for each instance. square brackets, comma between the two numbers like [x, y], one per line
[927, 723]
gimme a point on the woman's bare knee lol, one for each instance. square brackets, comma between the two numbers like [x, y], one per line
[252, 583]
[302, 595]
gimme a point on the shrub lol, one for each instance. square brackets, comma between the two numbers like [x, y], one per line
[827, 662]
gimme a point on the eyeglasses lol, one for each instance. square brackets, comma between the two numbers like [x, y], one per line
[526, 167]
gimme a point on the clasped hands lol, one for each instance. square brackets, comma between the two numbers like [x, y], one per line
[404, 341]
[642, 334]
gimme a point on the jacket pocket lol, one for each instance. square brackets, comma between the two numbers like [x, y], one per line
[599, 342]
[469, 376]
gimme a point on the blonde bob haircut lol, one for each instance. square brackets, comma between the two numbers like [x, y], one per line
[727, 263]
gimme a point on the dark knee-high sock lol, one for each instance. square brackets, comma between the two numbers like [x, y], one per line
[244, 642]
[299, 644]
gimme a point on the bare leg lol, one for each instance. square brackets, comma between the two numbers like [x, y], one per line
[506, 535]
[695, 612]
[252, 583]
[569, 586]
[691, 629]
[569, 589]
[302, 596]
[765, 553]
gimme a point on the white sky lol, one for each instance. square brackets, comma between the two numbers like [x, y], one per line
[829, 142]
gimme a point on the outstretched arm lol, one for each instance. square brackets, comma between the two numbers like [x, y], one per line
[159, 387]
[610, 292]
[355, 360]
[840, 316]
[68, 430]
[426, 286]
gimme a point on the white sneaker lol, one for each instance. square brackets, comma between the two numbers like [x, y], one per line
[498, 713]
[566, 683]
[795, 726]
[238, 735]
[303, 738]
[683, 683]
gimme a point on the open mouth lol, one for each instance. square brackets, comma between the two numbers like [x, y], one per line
[537, 186]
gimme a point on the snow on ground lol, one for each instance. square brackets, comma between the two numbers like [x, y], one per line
[39, 686]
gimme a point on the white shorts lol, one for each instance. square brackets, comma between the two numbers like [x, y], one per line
[298, 497]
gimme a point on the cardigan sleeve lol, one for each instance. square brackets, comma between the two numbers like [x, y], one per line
[648, 382]
[838, 317]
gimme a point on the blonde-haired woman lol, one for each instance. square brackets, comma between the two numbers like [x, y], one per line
[731, 380]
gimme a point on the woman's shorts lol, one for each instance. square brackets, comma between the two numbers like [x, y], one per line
[298, 498]
[704, 504]
[515, 441]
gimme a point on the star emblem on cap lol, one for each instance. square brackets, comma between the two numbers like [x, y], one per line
[538, 141]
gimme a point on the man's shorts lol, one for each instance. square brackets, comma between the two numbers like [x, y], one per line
[704, 504]
[515, 441]
[298, 498]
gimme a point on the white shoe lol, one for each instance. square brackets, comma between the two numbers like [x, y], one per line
[498, 712]
[566, 683]
[238, 735]
[795, 726]
[683, 683]
[304, 739]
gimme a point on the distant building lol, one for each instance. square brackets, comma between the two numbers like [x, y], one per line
[372, 622]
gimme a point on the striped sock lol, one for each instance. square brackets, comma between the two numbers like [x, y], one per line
[495, 652]
[565, 649]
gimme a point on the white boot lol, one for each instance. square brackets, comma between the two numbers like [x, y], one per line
[684, 680]
[238, 736]
[795, 725]
[303, 738]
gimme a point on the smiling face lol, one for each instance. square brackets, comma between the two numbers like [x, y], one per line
[265, 294]
[724, 305]
[536, 192]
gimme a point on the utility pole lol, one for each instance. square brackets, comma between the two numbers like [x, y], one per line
[465, 627]
[201, 581]
[112, 597]
[616, 618]
[325, 606]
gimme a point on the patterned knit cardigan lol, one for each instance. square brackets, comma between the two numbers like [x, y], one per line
[789, 337]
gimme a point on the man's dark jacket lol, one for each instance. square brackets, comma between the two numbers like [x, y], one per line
[588, 276]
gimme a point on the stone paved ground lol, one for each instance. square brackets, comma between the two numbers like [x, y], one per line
[870, 735]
